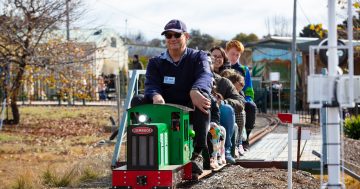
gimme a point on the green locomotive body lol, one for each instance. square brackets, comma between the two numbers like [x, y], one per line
[161, 139]
[158, 149]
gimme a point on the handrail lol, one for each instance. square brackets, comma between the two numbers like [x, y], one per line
[132, 88]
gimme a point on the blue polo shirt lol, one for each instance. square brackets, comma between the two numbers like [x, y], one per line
[175, 80]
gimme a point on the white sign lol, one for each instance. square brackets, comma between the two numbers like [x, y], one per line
[274, 76]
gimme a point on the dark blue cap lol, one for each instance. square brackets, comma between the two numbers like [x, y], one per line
[176, 26]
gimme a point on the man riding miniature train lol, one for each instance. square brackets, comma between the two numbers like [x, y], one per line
[182, 76]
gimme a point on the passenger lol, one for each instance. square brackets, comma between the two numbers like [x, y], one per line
[217, 133]
[230, 104]
[234, 49]
[182, 76]
[214, 143]
[239, 83]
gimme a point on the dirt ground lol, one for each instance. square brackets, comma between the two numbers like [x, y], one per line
[63, 141]
[57, 140]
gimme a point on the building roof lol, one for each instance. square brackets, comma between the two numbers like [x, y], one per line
[284, 43]
[87, 35]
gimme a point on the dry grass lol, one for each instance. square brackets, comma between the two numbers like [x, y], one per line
[25, 181]
[63, 137]
[51, 178]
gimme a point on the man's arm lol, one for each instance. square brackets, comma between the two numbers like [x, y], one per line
[203, 74]
[153, 80]
[200, 101]
[203, 83]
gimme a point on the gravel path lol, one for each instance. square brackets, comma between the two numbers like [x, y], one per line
[239, 177]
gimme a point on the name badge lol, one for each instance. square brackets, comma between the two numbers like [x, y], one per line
[169, 80]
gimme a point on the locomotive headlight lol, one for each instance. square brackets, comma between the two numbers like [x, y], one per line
[142, 118]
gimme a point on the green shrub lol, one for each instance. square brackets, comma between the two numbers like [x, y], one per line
[352, 127]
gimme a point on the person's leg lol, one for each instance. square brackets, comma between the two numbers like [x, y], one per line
[250, 109]
[234, 149]
[201, 126]
[242, 130]
[227, 120]
[221, 158]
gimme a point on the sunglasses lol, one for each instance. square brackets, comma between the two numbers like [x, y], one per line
[170, 35]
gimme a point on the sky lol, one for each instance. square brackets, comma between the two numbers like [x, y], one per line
[222, 19]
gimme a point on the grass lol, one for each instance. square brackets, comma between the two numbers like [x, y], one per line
[62, 137]
[53, 179]
[59, 113]
[89, 174]
[25, 181]
[7, 137]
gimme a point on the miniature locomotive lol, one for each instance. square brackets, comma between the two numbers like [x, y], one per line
[159, 147]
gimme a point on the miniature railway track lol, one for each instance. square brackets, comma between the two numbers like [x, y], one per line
[261, 130]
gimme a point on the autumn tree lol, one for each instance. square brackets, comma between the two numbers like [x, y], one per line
[27, 44]
[245, 38]
[200, 41]
[313, 30]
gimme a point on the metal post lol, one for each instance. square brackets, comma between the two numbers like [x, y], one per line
[290, 138]
[271, 98]
[298, 147]
[333, 118]
[351, 52]
[293, 65]
[118, 102]
[323, 132]
[279, 100]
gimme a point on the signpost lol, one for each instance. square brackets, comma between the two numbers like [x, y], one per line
[289, 119]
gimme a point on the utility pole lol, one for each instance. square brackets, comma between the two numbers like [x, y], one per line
[293, 65]
[292, 96]
[333, 117]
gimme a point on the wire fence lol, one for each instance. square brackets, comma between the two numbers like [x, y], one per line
[274, 101]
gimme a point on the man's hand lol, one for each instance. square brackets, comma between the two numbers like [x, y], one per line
[158, 99]
[200, 101]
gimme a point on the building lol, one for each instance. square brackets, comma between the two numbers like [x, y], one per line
[106, 55]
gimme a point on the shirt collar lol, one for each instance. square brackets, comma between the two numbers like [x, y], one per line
[166, 56]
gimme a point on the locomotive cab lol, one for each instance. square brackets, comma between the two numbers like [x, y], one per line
[159, 147]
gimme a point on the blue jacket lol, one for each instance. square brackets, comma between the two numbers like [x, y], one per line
[174, 81]
[248, 88]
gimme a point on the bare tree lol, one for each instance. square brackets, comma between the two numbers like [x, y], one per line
[25, 28]
[279, 24]
[267, 24]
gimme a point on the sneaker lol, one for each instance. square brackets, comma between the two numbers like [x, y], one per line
[241, 150]
[236, 153]
[213, 163]
[229, 159]
[246, 145]
[221, 161]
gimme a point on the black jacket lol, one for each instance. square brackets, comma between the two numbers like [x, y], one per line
[231, 96]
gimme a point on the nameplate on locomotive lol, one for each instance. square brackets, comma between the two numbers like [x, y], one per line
[142, 130]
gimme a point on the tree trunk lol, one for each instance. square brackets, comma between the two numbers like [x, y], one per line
[15, 110]
[14, 94]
